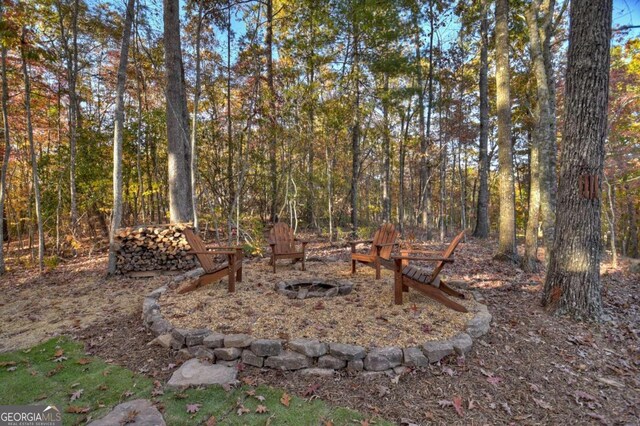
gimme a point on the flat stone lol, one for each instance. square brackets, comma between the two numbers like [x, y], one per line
[287, 360]
[266, 347]
[462, 343]
[214, 340]
[160, 326]
[479, 324]
[355, 365]
[308, 347]
[237, 340]
[195, 373]
[414, 357]
[164, 340]
[180, 335]
[149, 304]
[383, 359]
[231, 364]
[346, 352]
[478, 296]
[329, 361]
[196, 336]
[321, 372]
[250, 358]
[227, 354]
[146, 414]
[437, 350]
[184, 355]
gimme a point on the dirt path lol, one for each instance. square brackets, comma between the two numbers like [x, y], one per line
[530, 369]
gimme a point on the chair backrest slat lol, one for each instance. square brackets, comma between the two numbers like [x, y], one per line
[386, 234]
[282, 235]
[206, 261]
[447, 254]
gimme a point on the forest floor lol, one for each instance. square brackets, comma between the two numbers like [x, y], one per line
[531, 368]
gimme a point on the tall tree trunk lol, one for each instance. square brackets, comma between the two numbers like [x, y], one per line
[529, 262]
[118, 129]
[632, 236]
[194, 120]
[355, 131]
[32, 152]
[572, 285]
[179, 149]
[482, 211]
[234, 205]
[6, 153]
[611, 218]
[386, 154]
[548, 151]
[273, 166]
[507, 227]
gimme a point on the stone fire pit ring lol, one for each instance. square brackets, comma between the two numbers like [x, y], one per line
[305, 288]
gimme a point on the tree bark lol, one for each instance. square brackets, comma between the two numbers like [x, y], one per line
[194, 120]
[32, 152]
[507, 227]
[482, 211]
[179, 149]
[6, 153]
[572, 285]
[118, 129]
[355, 131]
[273, 166]
[386, 154]
[632, 236]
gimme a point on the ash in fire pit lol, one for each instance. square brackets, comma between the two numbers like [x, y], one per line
[302, 289]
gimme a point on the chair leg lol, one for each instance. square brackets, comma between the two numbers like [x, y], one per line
[444, 287]
[232, 281]
[353, 266]
[239, 274]
[304, 268]
[273, 262]
[398, 288]
[377, 262]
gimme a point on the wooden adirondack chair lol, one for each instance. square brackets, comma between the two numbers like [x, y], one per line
[283, 245]
[427, 282]
[380, 252]
[213, 271]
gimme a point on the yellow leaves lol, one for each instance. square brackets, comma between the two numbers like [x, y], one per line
[285, 400]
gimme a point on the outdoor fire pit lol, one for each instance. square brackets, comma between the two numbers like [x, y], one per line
[304, 288]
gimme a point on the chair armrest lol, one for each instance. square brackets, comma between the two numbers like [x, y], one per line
[426, 259]
[422, 251]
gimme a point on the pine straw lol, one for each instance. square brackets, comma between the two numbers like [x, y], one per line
[366, 317]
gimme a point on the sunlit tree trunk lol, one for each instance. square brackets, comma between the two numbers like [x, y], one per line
[6, 153]
[179, 149]
[611, 218]
[355, 130]
[386, 154]
[482, 212]
[194, 119]
[572, 285]
[273, 166]
[118, 129]
[507, 226]
[632, 236]
[32, 152]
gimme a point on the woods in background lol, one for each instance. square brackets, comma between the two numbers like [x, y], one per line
[333, 116]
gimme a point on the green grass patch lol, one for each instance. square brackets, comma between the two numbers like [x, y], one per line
[59, 373]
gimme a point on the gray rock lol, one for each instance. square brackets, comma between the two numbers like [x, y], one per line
[149, 304]
[346, 352]
[308, 347]
[462, 343]
[329, 361]
[237, 340]
[400, 370]
[266, 347]
[164, 340]
[158, 292]
[287, 360]
[437, 350]
[180, 335]
[321, 372]
[250, 358]
[232, 364]
[355, 365]
[227, 354]
[195, 373]
[478, 296]
[414, 357]
[196, 337]
[160, 326]
[214, 340]
[184, 355]
[203, 352]
[146, 414]
[479, 324]
[634, 266]
[383, 359]
[176, 344]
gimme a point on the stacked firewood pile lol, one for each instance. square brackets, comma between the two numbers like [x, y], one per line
[154, 248]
